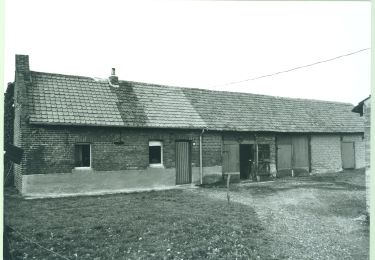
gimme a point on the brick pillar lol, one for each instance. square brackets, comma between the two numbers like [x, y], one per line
[21, 108]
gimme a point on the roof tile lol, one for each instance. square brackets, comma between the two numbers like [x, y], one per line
[74, 100]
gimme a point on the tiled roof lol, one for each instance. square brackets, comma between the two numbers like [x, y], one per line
[72, 100]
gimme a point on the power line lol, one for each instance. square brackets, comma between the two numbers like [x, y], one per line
[295, 68]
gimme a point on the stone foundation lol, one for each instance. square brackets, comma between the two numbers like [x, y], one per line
[81, 182]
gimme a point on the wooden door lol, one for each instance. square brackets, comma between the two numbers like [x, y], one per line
[183, 162]
[284, 156]
[231, 158]
[348, 155]
[300, 152]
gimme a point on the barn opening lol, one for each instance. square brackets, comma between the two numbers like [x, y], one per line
[246, 160]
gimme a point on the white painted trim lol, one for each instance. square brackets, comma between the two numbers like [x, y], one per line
[83, 168]
[156, 165]
[155, 143]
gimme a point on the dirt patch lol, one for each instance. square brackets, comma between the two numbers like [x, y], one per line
[317, 217]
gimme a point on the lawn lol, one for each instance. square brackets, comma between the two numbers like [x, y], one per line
[316, 217]
[163, 225]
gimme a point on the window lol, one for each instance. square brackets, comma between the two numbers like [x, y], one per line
[82, 155]
[155, 151]
[263, 152]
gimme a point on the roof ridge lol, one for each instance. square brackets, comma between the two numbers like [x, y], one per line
[199, 89]
[234, 92]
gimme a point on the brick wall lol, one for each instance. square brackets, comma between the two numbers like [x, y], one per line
[17, 170]
[367, 116]
[51, 149]
[325, 153]
[8, 131]
[8, 114]
[212, 146]
[367, 135]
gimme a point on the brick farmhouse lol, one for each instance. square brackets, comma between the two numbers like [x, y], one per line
[83, 135]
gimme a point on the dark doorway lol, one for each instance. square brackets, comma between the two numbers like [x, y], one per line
[82, 155]
[246, 160]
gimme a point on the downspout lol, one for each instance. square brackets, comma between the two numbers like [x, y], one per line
[309, 152]
[256, 156]
[201, 157]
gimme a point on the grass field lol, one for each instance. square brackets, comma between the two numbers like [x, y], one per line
[169, 224]
[316, 217]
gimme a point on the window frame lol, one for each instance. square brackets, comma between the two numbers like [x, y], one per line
[156, 143]
[263, 150]
[83, 167]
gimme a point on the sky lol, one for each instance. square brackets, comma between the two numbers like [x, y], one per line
[201, 44]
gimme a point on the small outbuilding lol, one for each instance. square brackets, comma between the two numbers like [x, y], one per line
[88, 135]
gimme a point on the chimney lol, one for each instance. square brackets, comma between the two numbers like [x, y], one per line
[22, 63]
[113, 79]
[22, 82]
